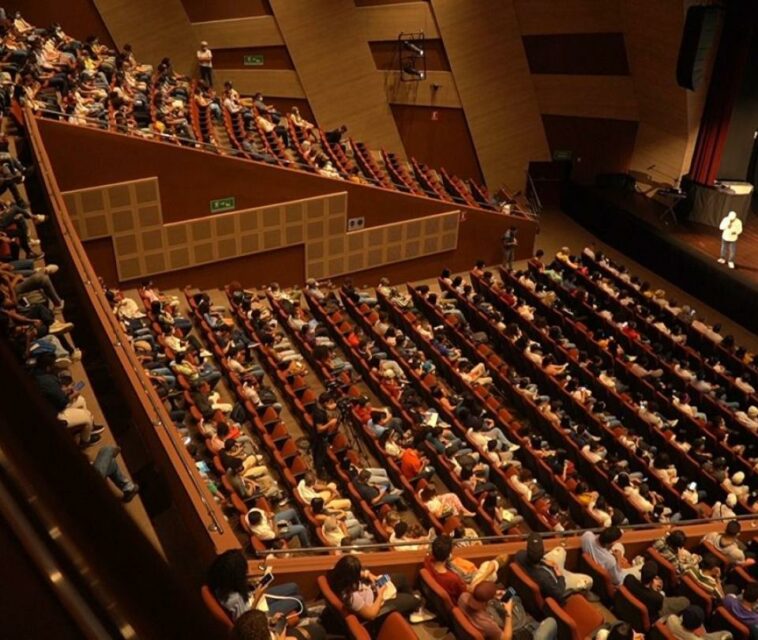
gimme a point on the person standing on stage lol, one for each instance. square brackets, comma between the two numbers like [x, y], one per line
[510, 242]
[731, 228]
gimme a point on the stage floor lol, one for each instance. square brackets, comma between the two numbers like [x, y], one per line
[684, 253]
[706, 240]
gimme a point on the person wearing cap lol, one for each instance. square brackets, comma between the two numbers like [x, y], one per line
[731, 228]
[648, 589]
[205, 63]
[503, 621]
[689, 626]
[549, 571]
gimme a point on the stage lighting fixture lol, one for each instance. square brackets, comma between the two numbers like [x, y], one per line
[412, 47]
[412, 71]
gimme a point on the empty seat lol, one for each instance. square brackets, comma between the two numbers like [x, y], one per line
[577, 619]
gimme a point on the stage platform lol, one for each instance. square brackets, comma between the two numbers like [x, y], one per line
[684, 254]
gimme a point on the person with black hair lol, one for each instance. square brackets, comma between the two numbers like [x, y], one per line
[600, 548]
[227, 579]
[729, 543]
[708, 576]
[509, 242]
[648, 589]
[689, 626]
[358, 590]
[326, 421]
[673, 550]
[548, 570]
[745, 607]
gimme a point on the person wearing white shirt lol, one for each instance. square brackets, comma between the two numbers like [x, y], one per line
[205, 63]
[731, 228]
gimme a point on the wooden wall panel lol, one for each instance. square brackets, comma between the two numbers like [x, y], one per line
[599, 145]
[570, 16]
[270, 82]
[487, 57]
[203, 10]
[434, 135]
[577, 53]
[154, 29]
[438, 90]
[189, 179]
[80, 19]
[669, 115]
[337, 70]
[387, 21]
[260, 31]
[273, 58]
[387, 56]
[587, 96]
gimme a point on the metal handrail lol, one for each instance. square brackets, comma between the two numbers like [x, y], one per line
[148, 393]
[516, 537]
[214, 148]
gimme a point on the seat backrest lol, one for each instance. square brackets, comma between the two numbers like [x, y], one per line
[667, 571]
[437, 599]
[396, 627]
[697, 595]
[463, 628]
[567, 629]
[332, 598]
[214, 606]
[722, 619]
[600, 578]
[528, 590]
[356, 630]
[631, 610]
[587, 617]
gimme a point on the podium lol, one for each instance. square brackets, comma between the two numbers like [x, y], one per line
[711, 204]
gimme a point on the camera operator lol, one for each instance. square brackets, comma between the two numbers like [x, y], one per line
[326, 420]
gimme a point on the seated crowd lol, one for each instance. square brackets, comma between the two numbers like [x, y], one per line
[87, 83]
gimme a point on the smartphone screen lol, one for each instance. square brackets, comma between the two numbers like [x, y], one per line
[509, 593]
[382, 580]
[266, 580]
[79, 386]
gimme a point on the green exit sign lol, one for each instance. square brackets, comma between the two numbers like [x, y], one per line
[222, 204]
[253, 61]
[562, 155]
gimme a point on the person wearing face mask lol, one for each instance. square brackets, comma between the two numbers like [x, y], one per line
[731, 228]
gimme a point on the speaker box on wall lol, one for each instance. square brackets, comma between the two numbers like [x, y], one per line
[697, 39]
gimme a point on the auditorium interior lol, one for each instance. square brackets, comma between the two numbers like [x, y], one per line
[379, 319]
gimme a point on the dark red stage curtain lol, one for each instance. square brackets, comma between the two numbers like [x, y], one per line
[739, 26]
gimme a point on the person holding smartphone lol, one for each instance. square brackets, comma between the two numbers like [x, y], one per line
[500, 616]
[372, 597]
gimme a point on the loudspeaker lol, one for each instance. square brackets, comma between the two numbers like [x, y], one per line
[697, 40]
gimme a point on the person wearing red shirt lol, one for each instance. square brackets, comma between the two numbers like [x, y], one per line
[436, 565]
